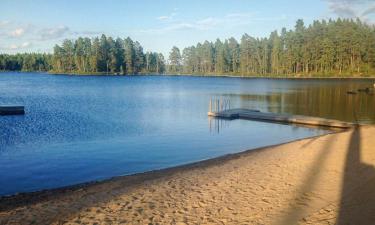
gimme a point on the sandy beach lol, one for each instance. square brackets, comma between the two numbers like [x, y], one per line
[323, 180]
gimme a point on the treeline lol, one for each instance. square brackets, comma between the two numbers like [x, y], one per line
[25, 62]
[334, 47]
[105, 55]
[102, 55]
[339, 47]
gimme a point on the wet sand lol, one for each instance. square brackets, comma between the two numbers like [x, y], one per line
[323, 180]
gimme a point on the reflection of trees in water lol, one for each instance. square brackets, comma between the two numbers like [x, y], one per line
[325, 101]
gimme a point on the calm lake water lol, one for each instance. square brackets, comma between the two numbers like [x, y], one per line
[79, 129]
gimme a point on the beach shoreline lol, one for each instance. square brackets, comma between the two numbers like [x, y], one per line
[13, 200]
[266, 185]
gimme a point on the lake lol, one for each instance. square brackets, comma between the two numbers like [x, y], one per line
[84, 128]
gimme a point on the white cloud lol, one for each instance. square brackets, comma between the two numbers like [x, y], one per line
[209, 23]
[369, 11]
[352, 8]
[53, 33]
[163, 18]
[343, 10]
[4, 23]
[172, 27]
[30, 37]
[240, 15]
[17, 32]
[25, 44]
[64, 32]
[350, 1]
[20, 37]
[18, 46]
[168, 18]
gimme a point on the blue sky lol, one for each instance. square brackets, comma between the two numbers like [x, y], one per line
[36, 25]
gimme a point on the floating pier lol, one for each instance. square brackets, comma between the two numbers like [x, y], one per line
[12, 110]
[279, 118]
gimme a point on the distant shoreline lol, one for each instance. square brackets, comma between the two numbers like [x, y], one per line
[203, 75]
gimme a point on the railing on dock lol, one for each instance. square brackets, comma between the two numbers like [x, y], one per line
[218, 105]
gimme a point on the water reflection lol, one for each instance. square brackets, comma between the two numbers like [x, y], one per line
[326, 101]
[79, 129]
[216, 125]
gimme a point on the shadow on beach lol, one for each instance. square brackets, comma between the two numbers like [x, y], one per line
[357, 203]
[294, 213]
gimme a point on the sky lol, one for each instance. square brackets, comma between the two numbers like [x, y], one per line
[37, 25]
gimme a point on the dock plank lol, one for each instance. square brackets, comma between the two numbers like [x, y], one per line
[12, 110]
[283, 118]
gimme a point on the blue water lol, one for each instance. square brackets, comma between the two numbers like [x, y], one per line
[85, 128]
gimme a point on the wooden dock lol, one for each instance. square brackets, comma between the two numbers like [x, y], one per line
[12, 110]
[279, 118]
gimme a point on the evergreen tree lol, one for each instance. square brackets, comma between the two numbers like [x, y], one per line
[175, 60]
[129, 56]
[339, 47]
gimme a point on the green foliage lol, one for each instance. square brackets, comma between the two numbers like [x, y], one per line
[175, 60]
[325, 48]
[25, 62]
[102, 55]
[341, 47]
[154, 63]
[105, 55]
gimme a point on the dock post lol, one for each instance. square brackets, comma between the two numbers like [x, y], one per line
[210, 105]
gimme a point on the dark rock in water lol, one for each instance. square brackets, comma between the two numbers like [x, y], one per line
[351, 92]
[364, 90]
[12, 110]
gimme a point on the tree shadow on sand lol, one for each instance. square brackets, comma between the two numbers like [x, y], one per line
[295, 211]
[357, 204]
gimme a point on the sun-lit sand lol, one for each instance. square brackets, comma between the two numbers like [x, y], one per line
[323, 180]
